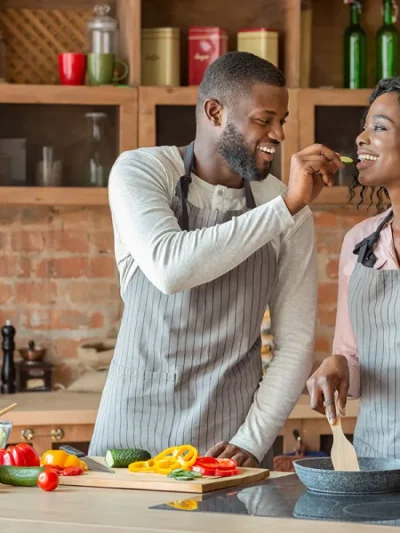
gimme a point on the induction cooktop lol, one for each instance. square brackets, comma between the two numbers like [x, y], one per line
[287, 497]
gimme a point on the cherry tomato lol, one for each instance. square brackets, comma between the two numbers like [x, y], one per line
[30, 454]
[48, 480]
[72, 471]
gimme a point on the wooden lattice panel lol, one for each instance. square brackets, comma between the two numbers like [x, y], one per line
[34, 38]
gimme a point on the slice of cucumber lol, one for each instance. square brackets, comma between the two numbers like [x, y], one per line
[346, 160]
[123, 458]
[20, 476]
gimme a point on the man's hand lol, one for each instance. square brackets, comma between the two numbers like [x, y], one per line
[310, 170]
[229, 451]
[331, 376]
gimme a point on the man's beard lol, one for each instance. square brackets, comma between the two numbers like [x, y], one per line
[241, 160]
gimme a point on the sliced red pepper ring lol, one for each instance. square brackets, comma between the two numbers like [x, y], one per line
[72, 471]
[207, 462]
[226, 473]
[203, 470]
[226, 464]
[54, 467]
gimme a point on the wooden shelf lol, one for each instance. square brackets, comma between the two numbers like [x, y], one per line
[64, 94]
[53, 196]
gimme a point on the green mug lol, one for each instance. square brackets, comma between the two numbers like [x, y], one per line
[100, 69]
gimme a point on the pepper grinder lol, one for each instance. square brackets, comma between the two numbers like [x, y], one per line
[8, 373]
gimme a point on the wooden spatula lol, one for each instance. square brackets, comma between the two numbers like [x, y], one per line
[343, 454]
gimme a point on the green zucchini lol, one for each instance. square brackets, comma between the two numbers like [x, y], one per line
[20, 476]
[123, 458]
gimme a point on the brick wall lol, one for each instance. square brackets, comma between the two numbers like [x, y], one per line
[58, 280]
[332, 224]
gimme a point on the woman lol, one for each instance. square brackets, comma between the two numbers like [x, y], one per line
[366, 347]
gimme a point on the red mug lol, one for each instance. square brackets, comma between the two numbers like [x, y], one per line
[72, 68]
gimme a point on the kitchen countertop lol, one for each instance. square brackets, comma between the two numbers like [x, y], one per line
[41, 408]
[87, 510]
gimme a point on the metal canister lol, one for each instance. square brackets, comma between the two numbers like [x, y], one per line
[206, 43]
[161, 56]
[262, 42]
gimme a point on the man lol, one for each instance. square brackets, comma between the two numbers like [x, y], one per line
[205, 240]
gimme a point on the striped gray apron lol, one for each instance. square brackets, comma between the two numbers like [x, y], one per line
[374, 305]
[186, 366]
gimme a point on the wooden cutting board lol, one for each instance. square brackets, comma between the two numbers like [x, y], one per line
[123, 479]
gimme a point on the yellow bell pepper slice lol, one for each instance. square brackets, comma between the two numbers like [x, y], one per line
[165, 453]
[184, 505]
[166, 466]
[186, 455]
[142, 466]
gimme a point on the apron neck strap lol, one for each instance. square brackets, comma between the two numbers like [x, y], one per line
[250, 202]
[182, 187]
[365, 248]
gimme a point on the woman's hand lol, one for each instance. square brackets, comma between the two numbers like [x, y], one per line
[331, 376]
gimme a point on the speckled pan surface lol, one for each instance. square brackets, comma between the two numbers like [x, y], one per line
[376, 476]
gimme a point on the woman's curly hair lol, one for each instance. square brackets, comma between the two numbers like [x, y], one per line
[387, 85]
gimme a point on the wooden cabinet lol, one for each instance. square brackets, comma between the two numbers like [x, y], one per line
[143, 116]
[48, 419]
[55, 115]
[46, 437]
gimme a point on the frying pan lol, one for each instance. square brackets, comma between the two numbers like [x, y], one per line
[376, 476]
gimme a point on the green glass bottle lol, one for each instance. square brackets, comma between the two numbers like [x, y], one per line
[388, 43]
[355, 51]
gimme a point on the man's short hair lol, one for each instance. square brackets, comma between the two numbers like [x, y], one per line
[232, 75]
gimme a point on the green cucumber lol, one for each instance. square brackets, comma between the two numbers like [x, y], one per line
[19, 476]
[123, 458]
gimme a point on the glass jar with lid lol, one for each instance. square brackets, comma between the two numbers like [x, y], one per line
[97, 156]
[103, 31]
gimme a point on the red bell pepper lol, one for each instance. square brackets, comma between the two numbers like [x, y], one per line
[17, 454]
[6, 458]
[30, 454]
[20, 455]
